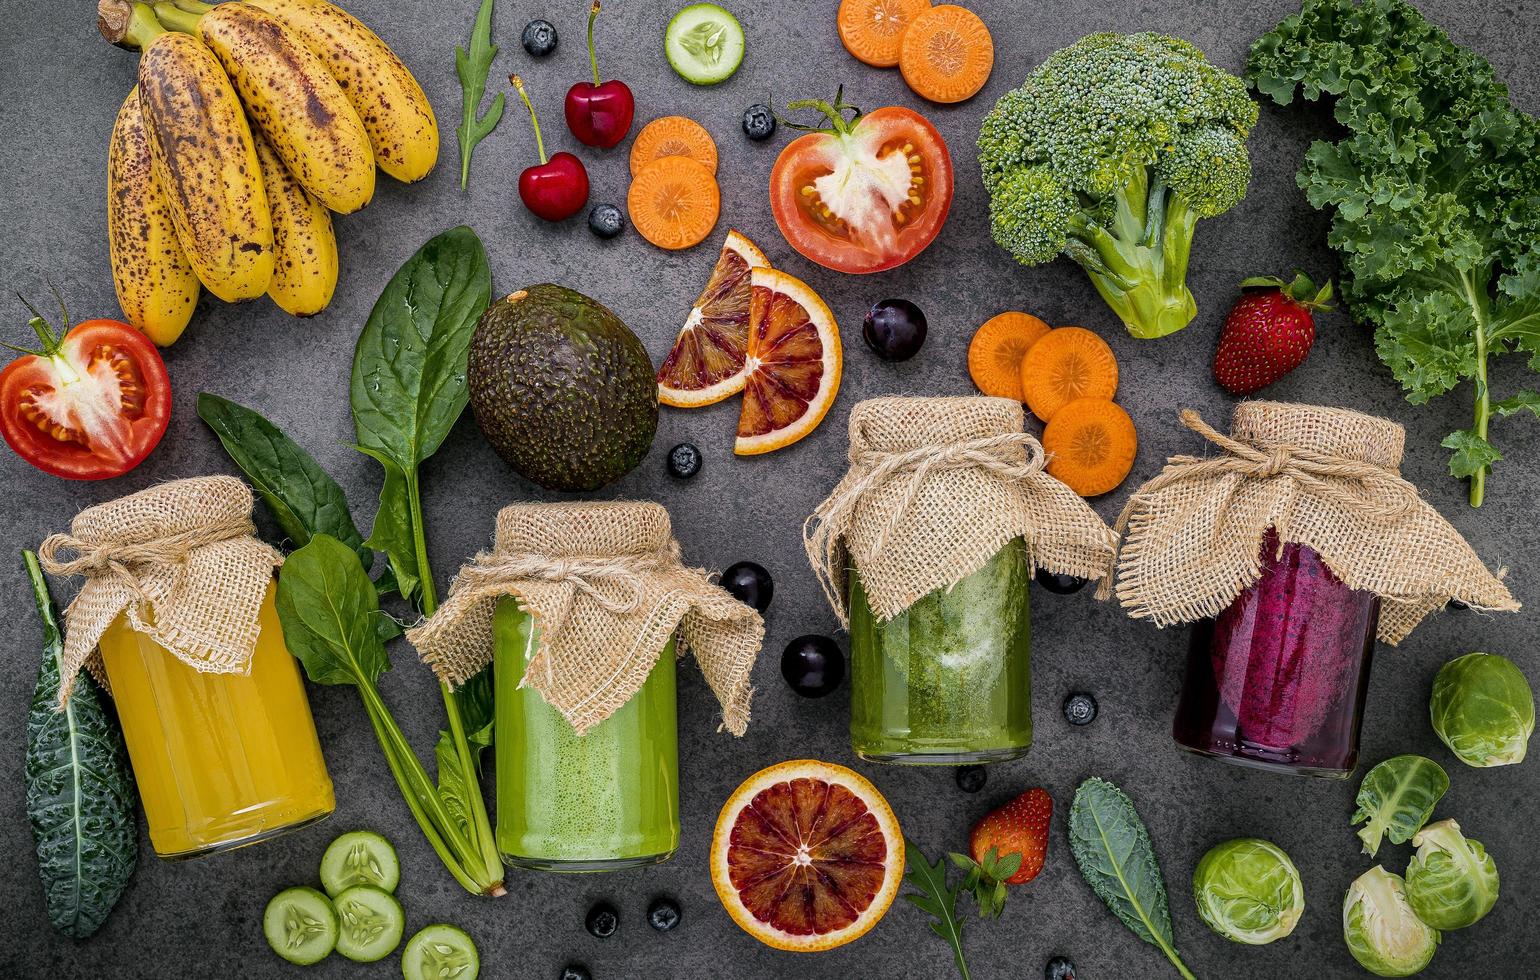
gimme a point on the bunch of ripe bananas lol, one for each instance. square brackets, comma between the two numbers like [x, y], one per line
[251, 121]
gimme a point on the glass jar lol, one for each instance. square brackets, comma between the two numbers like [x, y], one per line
[948, 680]
[1278, 679]
[602, 801]
[221, 760]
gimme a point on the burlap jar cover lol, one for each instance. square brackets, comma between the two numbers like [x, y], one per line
[936, 487]
[180, 561]
[1326, 478]
[607, 589]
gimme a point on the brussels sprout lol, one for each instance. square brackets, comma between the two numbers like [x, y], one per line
[1483, 709]
[1249, 891]
[1396, 798]
[1452, 880]
[1382, 932]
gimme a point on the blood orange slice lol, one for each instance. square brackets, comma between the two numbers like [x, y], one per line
[707, 362]
[794, 363]
[807, 856]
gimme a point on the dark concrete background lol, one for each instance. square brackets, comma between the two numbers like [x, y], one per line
[58, 97]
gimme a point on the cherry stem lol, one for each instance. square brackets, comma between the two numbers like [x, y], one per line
[593, 59]
[518, 83]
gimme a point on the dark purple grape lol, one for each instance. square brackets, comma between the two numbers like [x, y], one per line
[813, 665]
[749, 583]
[894, 329]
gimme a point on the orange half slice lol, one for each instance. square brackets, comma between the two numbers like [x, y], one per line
[707, 362]
[794, 363]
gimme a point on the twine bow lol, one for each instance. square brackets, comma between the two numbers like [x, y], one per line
[627, 571]
[993, 454]
[125, 560]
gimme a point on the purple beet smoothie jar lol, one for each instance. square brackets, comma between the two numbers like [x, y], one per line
[1277, 680]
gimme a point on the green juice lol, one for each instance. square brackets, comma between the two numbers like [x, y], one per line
[600, 802]
[948, 680]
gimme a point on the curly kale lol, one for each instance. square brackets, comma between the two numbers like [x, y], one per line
[1434, 195]
[1109, 154]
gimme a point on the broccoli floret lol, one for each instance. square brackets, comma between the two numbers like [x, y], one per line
[1109, 154]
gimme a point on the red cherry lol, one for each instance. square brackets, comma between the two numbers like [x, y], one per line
[556, 188]
[599, 113]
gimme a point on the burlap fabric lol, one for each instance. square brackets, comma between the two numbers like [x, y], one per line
[606, 587]
[936, 487]
[180, 561]
[1322, 477]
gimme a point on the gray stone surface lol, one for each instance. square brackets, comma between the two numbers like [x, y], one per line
[59, 93]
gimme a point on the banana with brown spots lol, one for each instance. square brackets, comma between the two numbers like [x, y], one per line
[387, 98]
[304, 246]
[157, 287]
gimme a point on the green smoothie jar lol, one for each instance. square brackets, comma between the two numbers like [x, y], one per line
[927, 550]
[581, 609]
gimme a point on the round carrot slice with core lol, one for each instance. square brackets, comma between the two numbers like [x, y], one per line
[946, 55]
[1066, 364]
[674, 202]
[995, 353]
[1091, 443]
[872, 30]
[673, 136]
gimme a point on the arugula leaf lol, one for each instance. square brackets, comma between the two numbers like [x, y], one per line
[473, 67]
[80, 794]
[1112, 848]
[302, 497]
[328, 607]
[936, 899]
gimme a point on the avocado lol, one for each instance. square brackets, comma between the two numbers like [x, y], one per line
[562, 389]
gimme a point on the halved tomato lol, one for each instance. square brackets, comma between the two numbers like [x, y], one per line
[865, 195]
[89, 405]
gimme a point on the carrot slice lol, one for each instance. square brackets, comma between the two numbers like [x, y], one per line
[1091, 444]
[946, 54]
[1068, 363]
[673, 136]
[674, 202]
[871, 30]
[995, 353]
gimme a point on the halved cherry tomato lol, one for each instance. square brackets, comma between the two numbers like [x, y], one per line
[88, 406]
[867, 194]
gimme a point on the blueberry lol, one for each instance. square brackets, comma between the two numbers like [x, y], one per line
[813, 665]
[539, 38]
[663, 914]
[1080, 708]
[971, 779]
[894, 329]
[576, 971]
[1059, 968]
[749, 583]
[758, 122]
[606, 221]
[684, 460]
[1059, 584]
[602, 920]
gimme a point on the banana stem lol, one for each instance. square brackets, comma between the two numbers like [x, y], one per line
[131, 26]
[174, 18]
[518, 83]
[193, 6]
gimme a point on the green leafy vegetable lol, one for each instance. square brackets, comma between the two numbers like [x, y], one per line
[1112, 848]
[1381, 930]
[1434, 195]
[472, 67]
[1483, 710]
[80, 796]
[1452, 881]
[1396, 799]
[1248, 891]
[303, 498]
[936, 899]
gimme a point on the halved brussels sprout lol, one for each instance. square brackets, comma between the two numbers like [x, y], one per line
[1483, 709]
[1248, 891]
[1396, 799]
[1382, 932]
[1452, 880]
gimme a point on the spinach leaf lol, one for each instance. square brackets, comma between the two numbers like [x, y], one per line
[472, 67]
[303, 498]
[408, 384]
[1396, 798]
[328, 608]
[1112, 848]
[80, 796]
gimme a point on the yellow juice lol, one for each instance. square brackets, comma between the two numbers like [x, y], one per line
[221, 760]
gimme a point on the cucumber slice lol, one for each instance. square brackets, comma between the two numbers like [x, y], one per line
[704, 43]
[360, 857]
[301, 925]
[369, 923]
[440, 952]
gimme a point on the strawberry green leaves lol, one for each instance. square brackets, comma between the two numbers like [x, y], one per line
[986, 879]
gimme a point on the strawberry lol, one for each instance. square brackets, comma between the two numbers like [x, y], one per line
[1007, 847]
[1268, 332]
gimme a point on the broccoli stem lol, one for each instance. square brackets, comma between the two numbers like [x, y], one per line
[1139, 263]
